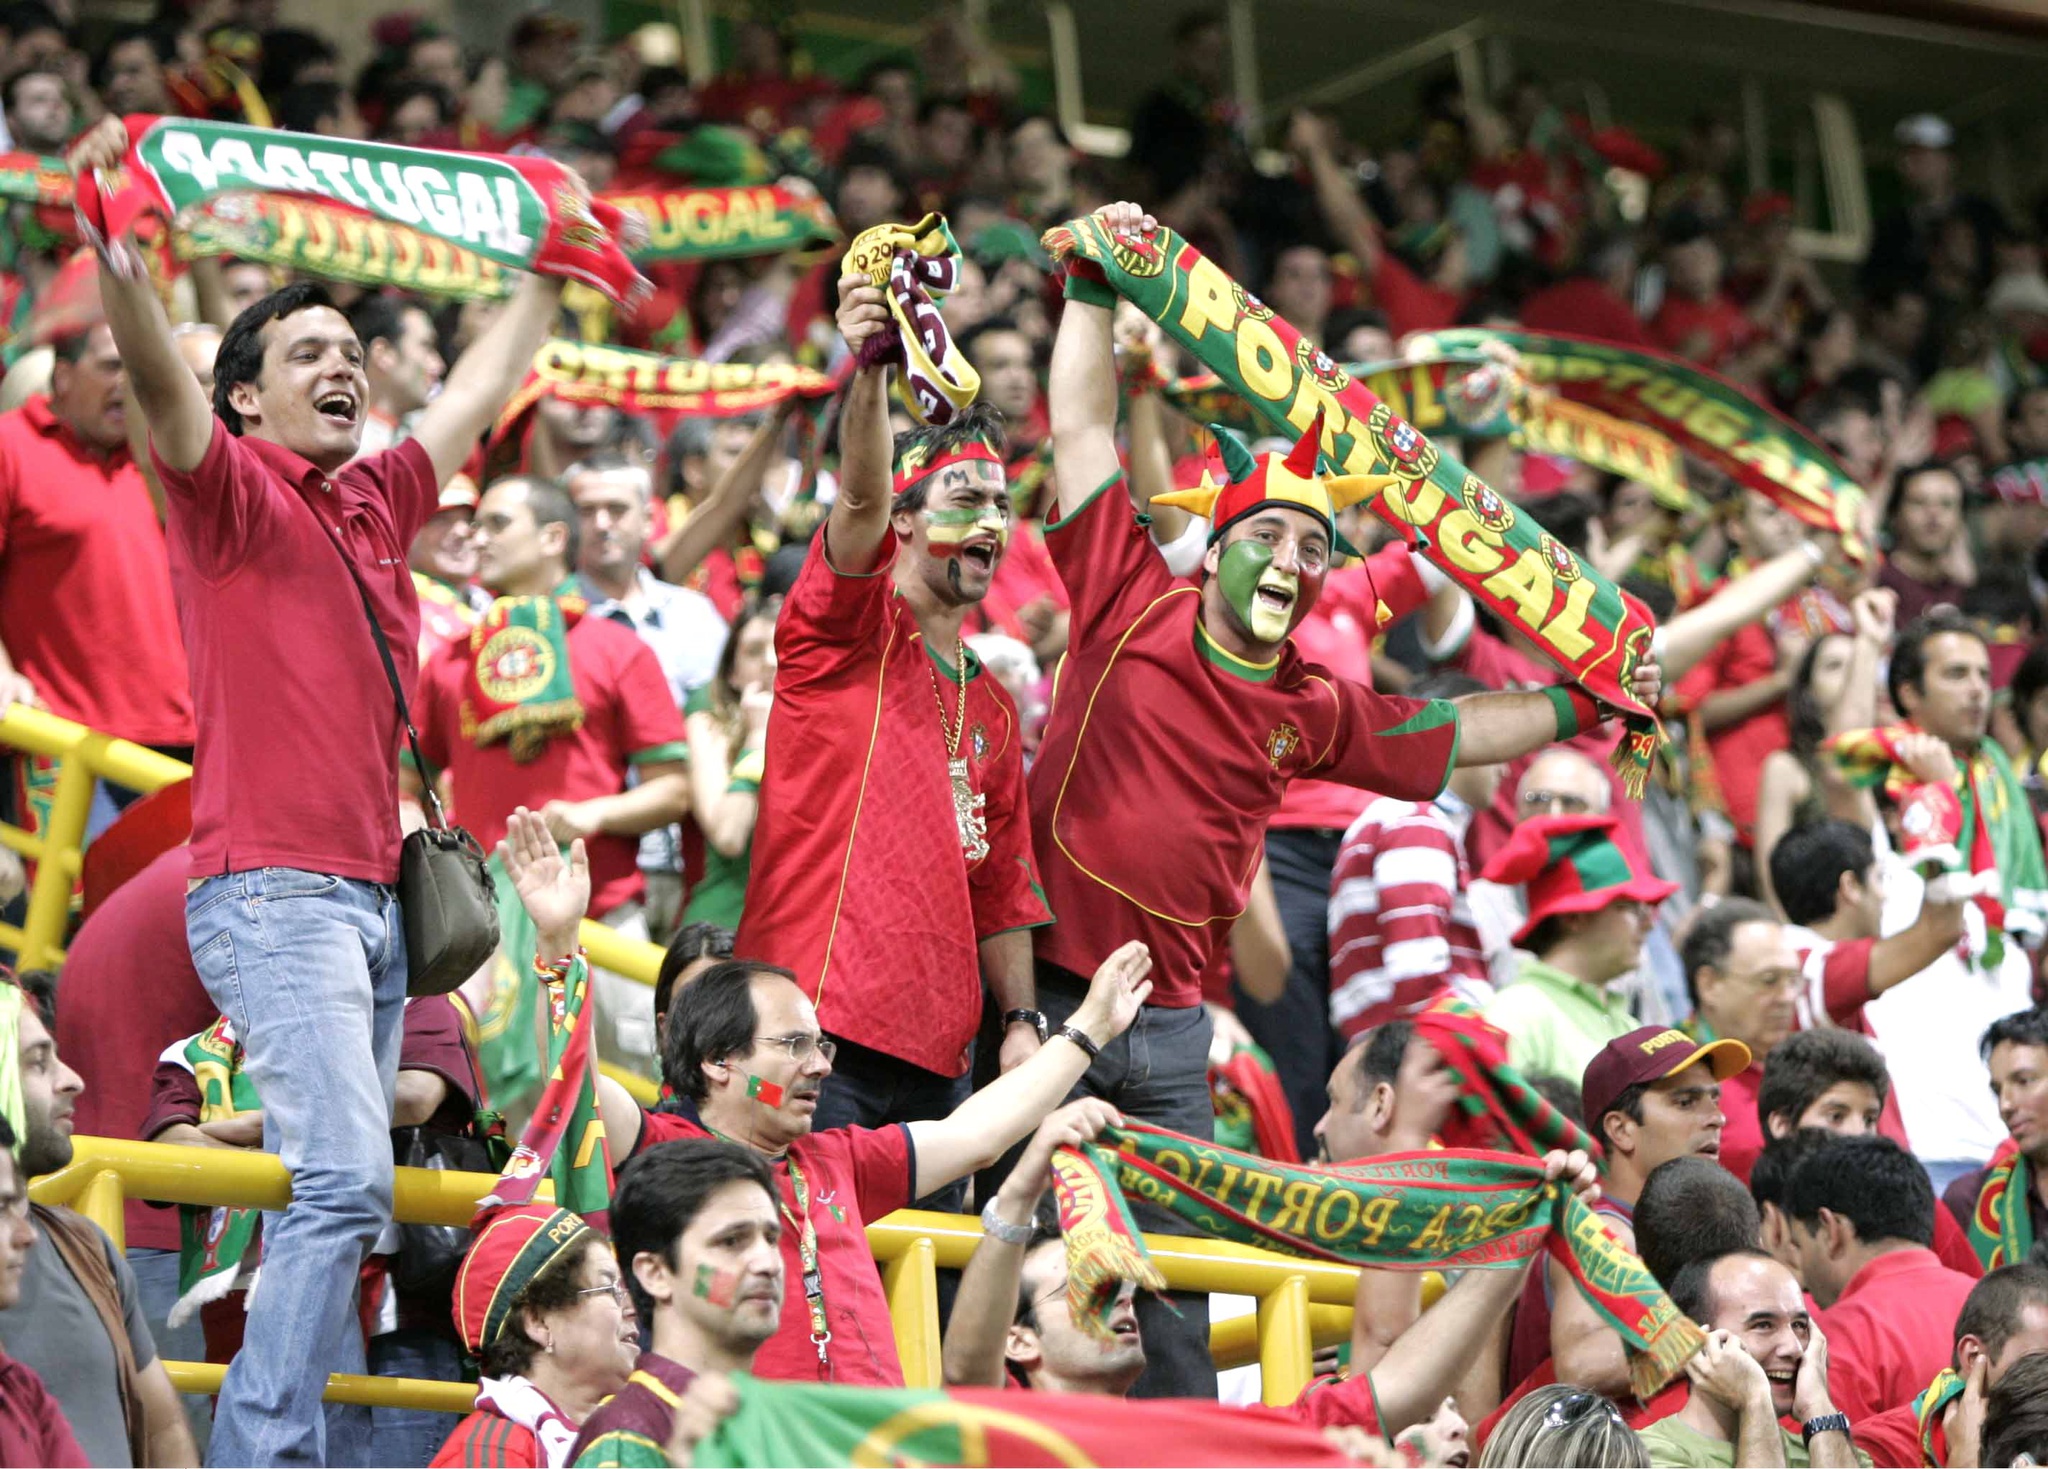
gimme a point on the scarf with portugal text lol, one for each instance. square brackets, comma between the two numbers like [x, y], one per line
[1496, 551]
[520, 213]
[1447, 1209]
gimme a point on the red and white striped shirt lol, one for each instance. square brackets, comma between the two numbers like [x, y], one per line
[1401, 932]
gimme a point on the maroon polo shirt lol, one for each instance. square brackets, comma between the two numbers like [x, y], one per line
[1891, 1330]
[297, 761]
[129, 991]
[85, 585]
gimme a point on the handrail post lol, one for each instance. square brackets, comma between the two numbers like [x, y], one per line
[1286, 1359]
[104, 1201]
[49, 898]
[912, 1283]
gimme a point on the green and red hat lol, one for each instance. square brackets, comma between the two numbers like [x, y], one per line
[1574, 864]
[1300, 479]
[512, 1246]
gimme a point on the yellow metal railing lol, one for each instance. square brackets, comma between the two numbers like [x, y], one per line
[1298, 1299]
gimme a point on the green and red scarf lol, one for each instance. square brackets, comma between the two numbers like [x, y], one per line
[522, 213]
[1448, 1209]
[1252, 1114]
[2001, 1226]
[725, 223]
[517, 688]
[214, 1245]
[1928, 1409]
[1703, 414]
[1497, 1110]
[1983, 826]
[1497, 552]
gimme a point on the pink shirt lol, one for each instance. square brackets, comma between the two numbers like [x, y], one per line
[1891, 1330]
[298, 735]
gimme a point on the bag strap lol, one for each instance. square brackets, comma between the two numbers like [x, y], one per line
[83, 1249]
[436, 818]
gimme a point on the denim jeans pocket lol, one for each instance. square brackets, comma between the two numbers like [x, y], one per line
[212, 892]
[292, 882]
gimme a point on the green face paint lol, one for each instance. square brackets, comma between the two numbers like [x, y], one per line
[1244, 567]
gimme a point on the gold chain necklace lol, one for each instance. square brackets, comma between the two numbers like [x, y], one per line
[969, 805]
[960, 679]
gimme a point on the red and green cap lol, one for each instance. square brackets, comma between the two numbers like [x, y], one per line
[1300, 479]
[512, 1246]
[1574, 864]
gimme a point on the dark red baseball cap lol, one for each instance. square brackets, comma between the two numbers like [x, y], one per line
[1651, 1054]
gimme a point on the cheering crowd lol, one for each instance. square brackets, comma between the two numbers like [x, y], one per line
[1035, 784]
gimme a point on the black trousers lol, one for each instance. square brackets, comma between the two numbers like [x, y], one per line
[1295, 1029]
[870, 1089]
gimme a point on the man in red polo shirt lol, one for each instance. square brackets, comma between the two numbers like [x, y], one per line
[1183, 713]
[277, 544]
[1743, 977]
[87, 626]
[1862, 1218]
[606, 763]
[892, 868]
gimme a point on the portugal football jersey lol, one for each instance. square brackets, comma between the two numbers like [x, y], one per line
[1164, 756]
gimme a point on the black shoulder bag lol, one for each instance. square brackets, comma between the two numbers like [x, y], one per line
[445, 893]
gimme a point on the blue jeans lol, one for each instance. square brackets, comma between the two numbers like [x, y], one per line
[310, 968]
[412, 1436]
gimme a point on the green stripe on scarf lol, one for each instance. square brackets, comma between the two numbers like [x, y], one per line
[507, 1047]
[2001, 1229]
[1450, 1209]
[213, 1243]
[518, 687]
[1927, 1411]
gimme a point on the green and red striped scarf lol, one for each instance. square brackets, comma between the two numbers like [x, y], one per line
[214, 1244]
[1497, 1109]
[1252, 1114]
[1448, 1209]
[1927, 1414]
[518, 688]
[2001, 1228]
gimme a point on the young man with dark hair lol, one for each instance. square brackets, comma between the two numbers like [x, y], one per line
[694, 949]
[37, 103]
[402, 357]
[1862, 1217]
[2004, 1319]
[2016, 1414]
[1928, 564]
[1765, 1359]
[33, 1429]
[2004, 1205]
[88, 628]
[1770, 1184]
[1690, 1209]
[1833, 1080]
[697, 1230]
[1743, 978]
[892, 867]
[276, 541]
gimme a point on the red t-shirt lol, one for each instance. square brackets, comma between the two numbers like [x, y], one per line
[1742, 1138]
[851, 1175]
[1837, 986]
[484, 1438]
[1584, 307]
[1739, 748]
[1892, 1330]
[297, 762]
[85, 584]
[1164, 757]
[859, 884]
[1721, 328]
[1338, 635]
[1892, 1438]
[129, 991]
[33, 1428]
[629, 718]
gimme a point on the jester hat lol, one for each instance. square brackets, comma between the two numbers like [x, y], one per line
[1574, 864]
[1298, 480]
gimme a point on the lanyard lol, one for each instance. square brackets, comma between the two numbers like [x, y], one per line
[807, 1256]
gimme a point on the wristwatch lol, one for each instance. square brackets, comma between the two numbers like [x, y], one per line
[998, 1228]
[1033, 1018]
[1812, 1428]
[1080, 1038]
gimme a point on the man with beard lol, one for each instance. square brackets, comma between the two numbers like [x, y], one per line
[1190, 700]
[892, 868]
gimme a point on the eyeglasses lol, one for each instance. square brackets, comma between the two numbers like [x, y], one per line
[1555, 803]
[800, 1047]
[616, 1289]
[1775, 981]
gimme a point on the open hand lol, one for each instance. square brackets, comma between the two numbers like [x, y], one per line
[1116, 992]
[555, 892]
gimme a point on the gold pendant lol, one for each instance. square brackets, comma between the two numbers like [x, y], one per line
[967, 813]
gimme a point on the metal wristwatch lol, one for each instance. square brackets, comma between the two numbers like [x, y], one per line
[1812, 1428]
[1033, 1018]
[998, 1228]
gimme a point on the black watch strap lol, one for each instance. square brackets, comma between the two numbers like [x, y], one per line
[1080, 1038]
[1033, 1018]
[1812, 1428]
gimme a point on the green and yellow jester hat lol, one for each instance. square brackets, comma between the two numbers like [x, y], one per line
[1297, 480]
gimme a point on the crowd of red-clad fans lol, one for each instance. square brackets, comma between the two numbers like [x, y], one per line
[901, 942]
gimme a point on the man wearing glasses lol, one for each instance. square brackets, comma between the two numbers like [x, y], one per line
[1743, 975]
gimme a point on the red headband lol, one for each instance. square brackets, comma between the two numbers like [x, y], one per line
[914, 468]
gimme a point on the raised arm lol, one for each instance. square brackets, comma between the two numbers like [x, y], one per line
[1497, 727]
[485, 377]
[1081, 392]
[1686, 640]
[179, 416]
[718, 519]
[858, 526]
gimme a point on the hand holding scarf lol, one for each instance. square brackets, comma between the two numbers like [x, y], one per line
[912, 264]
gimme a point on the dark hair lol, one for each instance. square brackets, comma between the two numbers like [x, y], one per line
[1692, 1208]
[70, 347]
[872, 153]
[2021, 1028]
[1770, 1177]
[994, 324]
[240, 359]
[1043, 1232]
[1692, 1288]
[980, 424]
[714, 1016]
[724, 698]
[163, 45]
[1383, 1049]
[1870, 1181]
[1194, 23]
[7, 1138]
[1712, 937]
[1808, 863]
[40, 985]
[1909, 650]
[550, 505]
[1347, 319]
[2029, 678]
[380, 317]
[662, 1190]
[1997, 1304]
[557, 1288]
[40, 69]
[1806, 1063]
[1628, 1101]
[301, 106]
[407, 91]
[2016, 1413]
[1902, 477]
[693, 941]
[1805, 719]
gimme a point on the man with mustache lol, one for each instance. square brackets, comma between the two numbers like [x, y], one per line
[1182, 714]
